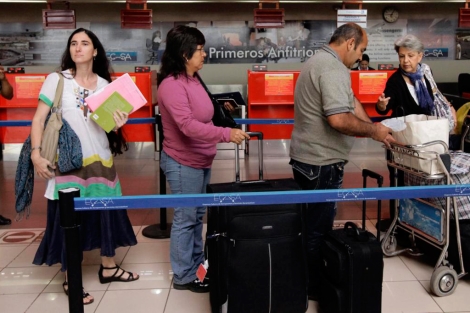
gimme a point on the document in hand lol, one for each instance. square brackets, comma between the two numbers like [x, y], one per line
[235, 98]
[103, 115]
[233, 102]
[125, 86]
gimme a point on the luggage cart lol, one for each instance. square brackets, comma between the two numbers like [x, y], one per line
[422, 219]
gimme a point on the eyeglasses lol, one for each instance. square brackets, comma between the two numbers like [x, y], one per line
[201, 50]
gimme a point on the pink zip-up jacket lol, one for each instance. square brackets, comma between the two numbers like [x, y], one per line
[187, 110]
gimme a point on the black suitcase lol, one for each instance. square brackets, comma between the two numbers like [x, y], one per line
[352, 271]
[255, 253]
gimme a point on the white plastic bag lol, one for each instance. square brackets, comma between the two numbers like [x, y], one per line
[421, 129]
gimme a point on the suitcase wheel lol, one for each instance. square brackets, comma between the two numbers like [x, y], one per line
[444, 281]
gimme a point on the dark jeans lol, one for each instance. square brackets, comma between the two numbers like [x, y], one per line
[318, 217]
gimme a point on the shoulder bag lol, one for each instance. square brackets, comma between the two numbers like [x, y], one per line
[59, 135]
[50, 136]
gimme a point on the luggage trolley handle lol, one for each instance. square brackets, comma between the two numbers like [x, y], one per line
[258, 135]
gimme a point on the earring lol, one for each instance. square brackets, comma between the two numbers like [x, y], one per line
[94, 58]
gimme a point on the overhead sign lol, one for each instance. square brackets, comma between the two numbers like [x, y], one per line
[436, 52]
[120, 56]
[352, 16]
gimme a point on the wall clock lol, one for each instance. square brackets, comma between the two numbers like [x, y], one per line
[390, 14]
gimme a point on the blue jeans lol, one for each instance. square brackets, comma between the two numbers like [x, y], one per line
[318, 217]
[186, 245]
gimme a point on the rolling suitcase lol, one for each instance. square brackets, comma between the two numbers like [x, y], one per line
[352, 271]
[255, 253]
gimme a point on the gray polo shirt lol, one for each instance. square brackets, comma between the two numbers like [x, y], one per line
[322, 89]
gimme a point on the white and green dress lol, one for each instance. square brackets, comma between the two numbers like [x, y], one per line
[106, 229]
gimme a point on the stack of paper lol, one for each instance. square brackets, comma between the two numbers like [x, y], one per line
[126, 95]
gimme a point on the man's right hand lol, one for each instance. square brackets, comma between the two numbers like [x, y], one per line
[383, 134]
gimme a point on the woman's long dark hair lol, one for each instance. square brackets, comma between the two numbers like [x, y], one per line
[181, 43]
[101, 67]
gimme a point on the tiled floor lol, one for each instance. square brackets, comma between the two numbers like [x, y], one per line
[37, 289]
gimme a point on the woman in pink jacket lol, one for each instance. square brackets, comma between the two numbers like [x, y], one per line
[189, 147]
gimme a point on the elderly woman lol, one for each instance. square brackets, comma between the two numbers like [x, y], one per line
[412, 89]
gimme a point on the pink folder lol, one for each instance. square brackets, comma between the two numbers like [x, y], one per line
[125, 86]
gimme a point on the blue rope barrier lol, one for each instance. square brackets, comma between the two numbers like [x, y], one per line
[263, 121]
[141, 120]
[266, 198]
[151, 120]
[15, 123]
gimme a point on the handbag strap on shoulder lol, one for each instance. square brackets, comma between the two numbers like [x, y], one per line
[58, 93]
[205, 87]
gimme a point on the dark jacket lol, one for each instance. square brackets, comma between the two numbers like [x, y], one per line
[401, 102]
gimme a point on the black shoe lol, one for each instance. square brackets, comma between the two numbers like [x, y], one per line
[194, 286]
[4, 220]
[313, 297]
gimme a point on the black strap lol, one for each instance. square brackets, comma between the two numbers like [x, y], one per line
[205, 87]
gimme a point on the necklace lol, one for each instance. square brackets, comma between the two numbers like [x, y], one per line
[80, 95]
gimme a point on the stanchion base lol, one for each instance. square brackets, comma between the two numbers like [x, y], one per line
[154, 231]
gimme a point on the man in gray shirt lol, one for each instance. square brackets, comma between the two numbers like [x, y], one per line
[327, 117]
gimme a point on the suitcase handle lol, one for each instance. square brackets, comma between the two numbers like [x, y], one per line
[368, 173]
[380, 180]
[357, 233]
[259, 135]
[353, 226]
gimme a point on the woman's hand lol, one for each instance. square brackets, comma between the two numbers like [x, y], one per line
[42, 166]
[382, 102]
[120, 118]
[229, 107]
[238, 135]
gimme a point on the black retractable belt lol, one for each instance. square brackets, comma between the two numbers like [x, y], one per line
[162, 230]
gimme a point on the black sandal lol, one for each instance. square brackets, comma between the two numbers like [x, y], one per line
[85, 294]
[113, 277]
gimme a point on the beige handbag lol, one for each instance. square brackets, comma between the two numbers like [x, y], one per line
[50, 136]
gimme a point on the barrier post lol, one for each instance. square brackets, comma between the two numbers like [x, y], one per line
[162, 230]
[70, 222]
